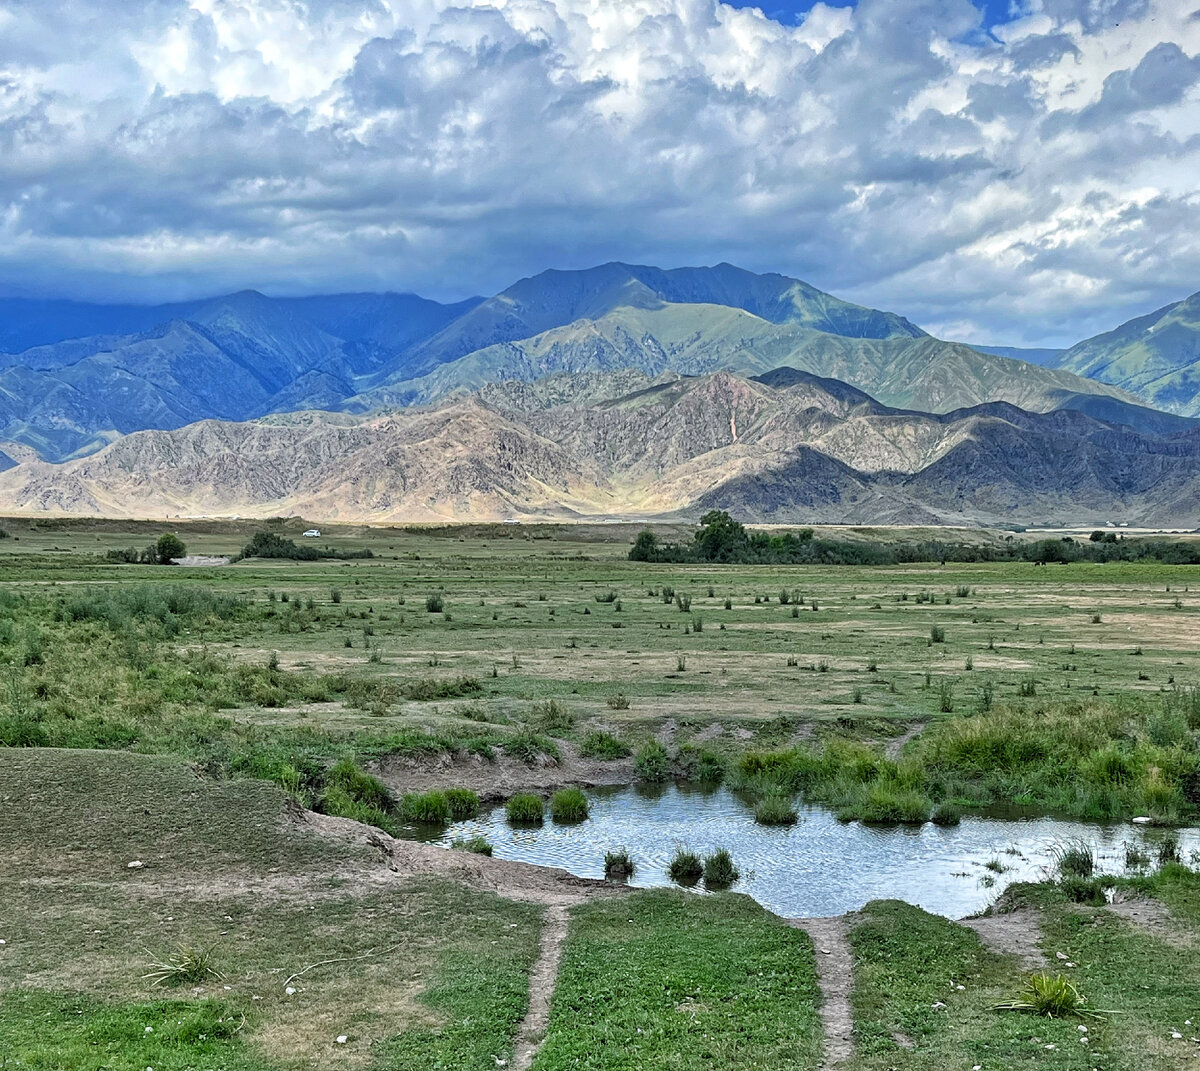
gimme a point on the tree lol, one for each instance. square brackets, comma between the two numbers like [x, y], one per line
[644, 546]
[169, 547]
[720, 536]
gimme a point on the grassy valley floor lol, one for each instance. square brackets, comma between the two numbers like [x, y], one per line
[170, 735]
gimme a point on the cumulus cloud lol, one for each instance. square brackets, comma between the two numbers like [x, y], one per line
[1032, 181]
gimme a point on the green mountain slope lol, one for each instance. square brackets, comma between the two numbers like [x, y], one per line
[694, 339]
[1156, 357]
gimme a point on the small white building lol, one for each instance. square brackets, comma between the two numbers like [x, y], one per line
[313, 533]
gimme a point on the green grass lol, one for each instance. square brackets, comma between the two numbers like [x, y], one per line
[477, 845]
[80, 929]
[775, 810]
[462, 803]
[664, 979]
[54, 1031]
[720, 871]
[427, 808]
[652, 763]
[598, 744]
[685, 867]
[568, 805]
[524, 809]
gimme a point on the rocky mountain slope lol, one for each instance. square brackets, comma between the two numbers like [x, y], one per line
[1156, 357]
[787, 446]
[79, 376]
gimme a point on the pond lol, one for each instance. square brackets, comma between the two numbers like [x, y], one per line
[819, 866]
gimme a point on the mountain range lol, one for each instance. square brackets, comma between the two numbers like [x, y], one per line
[783, 447]
[508, 405]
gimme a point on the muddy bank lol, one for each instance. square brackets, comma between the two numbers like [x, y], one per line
[497, 780]
[508, 878]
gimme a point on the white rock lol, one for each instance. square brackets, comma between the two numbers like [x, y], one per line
[1176, 1035]
[1141, 820]
[290, 990]
[937, 1005]
[137, 864]
[1082, 1029]
[1059, 955]
[148, 1030]
[342, 1039]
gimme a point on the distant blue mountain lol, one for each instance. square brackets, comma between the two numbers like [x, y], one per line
[74, 375]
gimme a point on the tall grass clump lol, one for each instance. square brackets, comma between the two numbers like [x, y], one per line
[618, 865]
[568, 805]
[185, 965]
[720, 872]
[524, 809]
[462, 802]
[685, 867]
[434, 603]
[699, 764]
[552, 717]
[601, 745]
[427, 808]
[352, 793]
[652, 763]
[1052, 996]
[775, 810]
[1074, 859]
[478, 845]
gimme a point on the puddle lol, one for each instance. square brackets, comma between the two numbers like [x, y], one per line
[818, 867]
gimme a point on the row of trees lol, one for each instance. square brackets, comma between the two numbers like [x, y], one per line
[722, 539]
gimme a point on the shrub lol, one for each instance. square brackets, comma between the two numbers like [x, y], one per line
[618, 866]
[1083, 890]
[602, 745]
[524, 809]
[937, 634]
[685, 867]
[434, 603]
[427, 808]
[477, 844]
[568, 805]
[775, 810]
[463, 803]
[719, 870]
[651, 763]
[617, 701]
[608, 596]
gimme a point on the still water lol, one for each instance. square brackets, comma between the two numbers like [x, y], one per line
[818, 867]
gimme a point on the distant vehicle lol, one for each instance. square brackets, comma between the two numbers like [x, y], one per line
[510, 520]
[1124, 524]
[313, 533]
[1109, 524]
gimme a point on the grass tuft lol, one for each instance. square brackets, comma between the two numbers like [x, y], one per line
[184, 966]
[685, 867]
[568, 805]
[720, 872]
[524, 809]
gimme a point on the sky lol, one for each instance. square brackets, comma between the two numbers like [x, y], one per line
[1022, 173]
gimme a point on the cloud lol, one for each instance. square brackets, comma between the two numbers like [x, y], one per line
[1033, 181]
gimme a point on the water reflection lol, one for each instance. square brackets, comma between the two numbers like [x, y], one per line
[819, 866]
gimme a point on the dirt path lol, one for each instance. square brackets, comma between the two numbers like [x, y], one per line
[894, 747]
[1154, 918]
[1017, 933]
[541, 988]
[835, 972]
